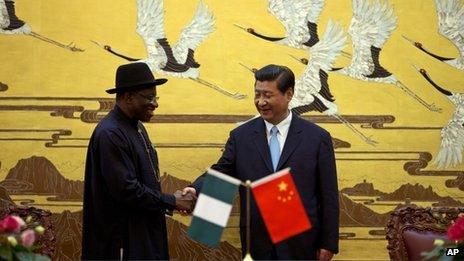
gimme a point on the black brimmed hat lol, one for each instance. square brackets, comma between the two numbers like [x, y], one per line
[134, 76]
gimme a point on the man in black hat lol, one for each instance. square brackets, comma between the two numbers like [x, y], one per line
[124, 208]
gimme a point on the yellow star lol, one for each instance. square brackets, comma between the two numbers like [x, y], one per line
[282, 186]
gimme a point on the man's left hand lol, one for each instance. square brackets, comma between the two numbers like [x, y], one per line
[324, 255]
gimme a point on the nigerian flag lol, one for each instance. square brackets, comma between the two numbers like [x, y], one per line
[213, 207]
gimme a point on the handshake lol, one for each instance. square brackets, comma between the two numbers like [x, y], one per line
[185, 200]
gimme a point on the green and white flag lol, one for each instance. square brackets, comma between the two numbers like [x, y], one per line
[213, 207]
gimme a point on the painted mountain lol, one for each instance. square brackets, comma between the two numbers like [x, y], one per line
[357, 215]
[169, 184]
[67, 228]
[5, 201]
[181, 247]
[418, 192]
[363, 189]
[37, 175]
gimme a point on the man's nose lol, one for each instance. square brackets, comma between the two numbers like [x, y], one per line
[261, 101]
[154, 103]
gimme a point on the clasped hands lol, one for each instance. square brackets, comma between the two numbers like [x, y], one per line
[185, 200]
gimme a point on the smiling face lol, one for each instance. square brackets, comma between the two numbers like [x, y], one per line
[270, 102]
[141, 104]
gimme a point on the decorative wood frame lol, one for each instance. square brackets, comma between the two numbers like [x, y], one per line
[418, 219]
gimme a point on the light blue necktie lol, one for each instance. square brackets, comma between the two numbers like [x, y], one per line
[274, 147]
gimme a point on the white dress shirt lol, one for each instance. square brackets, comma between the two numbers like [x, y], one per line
[283, 127]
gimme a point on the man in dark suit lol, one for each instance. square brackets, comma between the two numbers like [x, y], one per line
[250, 154]
[124, 207]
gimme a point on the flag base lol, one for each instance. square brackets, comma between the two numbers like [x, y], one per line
[248, 257]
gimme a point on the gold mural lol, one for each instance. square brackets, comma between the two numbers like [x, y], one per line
[52, 95]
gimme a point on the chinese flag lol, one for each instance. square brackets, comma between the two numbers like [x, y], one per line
[280, 205]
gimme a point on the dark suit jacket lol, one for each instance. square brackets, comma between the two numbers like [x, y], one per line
[308, 151]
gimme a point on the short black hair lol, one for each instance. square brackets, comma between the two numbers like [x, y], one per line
[281, 74]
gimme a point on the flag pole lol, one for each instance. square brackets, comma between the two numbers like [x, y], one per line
[247, 256]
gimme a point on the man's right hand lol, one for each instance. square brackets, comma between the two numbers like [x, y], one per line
[184, 202]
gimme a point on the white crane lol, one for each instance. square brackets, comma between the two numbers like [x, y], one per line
[450, 15]
[371, 25]
[10, 24]
[178, 61]
[299, 17]
[311, 92]
[452, 135]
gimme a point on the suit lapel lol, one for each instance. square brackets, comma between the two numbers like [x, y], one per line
[260, 140]
[292, 141]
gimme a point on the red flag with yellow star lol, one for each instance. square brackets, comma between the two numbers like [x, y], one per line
[280, 205]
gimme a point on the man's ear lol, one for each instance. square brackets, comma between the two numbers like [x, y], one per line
[289, 94]
[128, 97]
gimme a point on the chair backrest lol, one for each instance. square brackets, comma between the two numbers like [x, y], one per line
[412, 230]
[45, 242]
